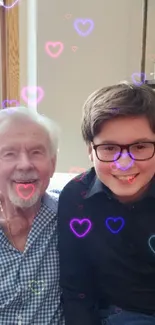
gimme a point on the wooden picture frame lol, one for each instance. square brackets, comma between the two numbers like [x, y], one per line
[10, 63]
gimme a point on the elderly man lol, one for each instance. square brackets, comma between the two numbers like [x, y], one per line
[29, 268]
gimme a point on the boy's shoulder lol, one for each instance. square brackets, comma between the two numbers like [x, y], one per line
[79, 184]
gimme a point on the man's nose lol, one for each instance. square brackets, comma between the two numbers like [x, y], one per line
[125, 161]
[24, 162]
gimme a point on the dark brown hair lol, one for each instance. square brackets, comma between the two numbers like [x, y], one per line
[124, 99]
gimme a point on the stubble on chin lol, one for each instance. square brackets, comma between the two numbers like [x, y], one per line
[21, 202]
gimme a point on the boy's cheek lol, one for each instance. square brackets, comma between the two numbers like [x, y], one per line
[103, 170]
[146, 167]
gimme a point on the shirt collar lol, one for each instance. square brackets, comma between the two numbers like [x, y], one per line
[50, 201]
[98, 187]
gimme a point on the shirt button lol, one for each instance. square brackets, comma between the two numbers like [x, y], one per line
[81, 295]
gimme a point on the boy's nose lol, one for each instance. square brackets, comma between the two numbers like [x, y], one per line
[125, 161]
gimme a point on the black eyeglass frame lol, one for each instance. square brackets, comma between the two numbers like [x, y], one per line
[122, 147]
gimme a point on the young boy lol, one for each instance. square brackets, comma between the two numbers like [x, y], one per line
[107, 218]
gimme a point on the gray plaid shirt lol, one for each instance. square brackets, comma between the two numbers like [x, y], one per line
[29, 280]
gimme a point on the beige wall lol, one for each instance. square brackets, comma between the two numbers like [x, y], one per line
[111, 53]
[23, 12]
[0, 80]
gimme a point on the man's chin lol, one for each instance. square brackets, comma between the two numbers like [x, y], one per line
[23, 203]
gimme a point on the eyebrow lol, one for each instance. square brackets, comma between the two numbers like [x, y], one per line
[39, 146]
[137, 140]
[11, 147]
[7, 148]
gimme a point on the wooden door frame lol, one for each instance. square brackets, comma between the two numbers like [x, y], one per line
[10, 63]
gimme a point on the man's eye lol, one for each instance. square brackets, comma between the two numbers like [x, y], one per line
[36, 152]
[7, 154]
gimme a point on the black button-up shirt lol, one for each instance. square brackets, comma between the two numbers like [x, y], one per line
[107, 250]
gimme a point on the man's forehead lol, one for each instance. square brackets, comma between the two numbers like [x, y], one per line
[15, 143]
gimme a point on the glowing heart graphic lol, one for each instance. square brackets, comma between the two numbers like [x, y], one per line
[80, 222]
[20, 186]
[128, 166]
[80, 206]
[113, 221]
[113, 166]
[131, 179]
[10, 102]
[81, 21]
[78, 170]
[74, 48]
[11, 6]
[152, 57]
[34, 290]
[54, 44]
[136, 74]
[151, 243]
[68, 16]
[32, 90]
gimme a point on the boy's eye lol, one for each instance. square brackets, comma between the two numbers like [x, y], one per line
[109, 148]
[140, 146]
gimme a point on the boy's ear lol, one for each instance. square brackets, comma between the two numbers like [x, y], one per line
[90, 149]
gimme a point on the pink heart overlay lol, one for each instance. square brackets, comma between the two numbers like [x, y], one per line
[48, 46]
[74, 48]
[85, 221]
[31, 186]
[68, 16]
[131, 180]
[33, 90]
[152, 57]
[113, 166]
[78, 170]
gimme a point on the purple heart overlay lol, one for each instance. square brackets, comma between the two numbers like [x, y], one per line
[80, 222]
[136, 74]
[10, 102]
[110, 221]
[10, 110]
[129, 165]
[80, 21]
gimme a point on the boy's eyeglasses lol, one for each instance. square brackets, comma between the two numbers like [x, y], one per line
[137, 151]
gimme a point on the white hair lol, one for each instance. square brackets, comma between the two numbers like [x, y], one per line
[48, 124]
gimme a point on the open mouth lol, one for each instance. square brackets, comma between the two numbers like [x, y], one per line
[31, 181]
[126, 178]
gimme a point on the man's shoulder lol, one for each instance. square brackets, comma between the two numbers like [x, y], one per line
[50, 201]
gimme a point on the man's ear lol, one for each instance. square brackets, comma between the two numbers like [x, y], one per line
[90, 149]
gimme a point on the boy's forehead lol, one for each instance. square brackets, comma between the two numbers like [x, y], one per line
[126, 129]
